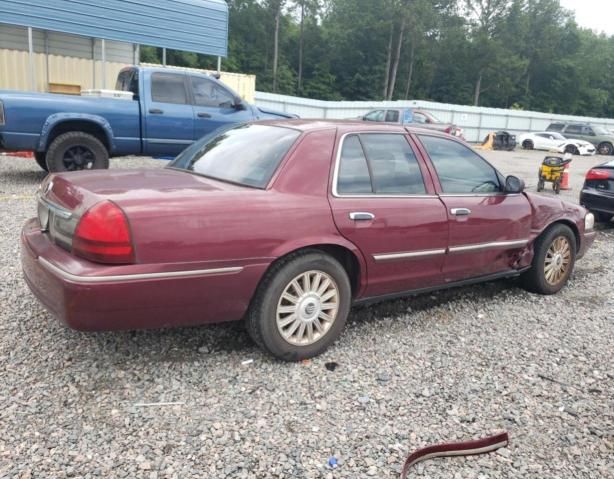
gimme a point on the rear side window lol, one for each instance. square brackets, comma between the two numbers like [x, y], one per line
[354, 177]
[394, 166]
[381, 164]
[392, 116]
[460, 170]
[168, 88]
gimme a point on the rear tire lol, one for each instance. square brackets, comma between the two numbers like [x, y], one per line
[540, 185]
[553, 261]
[605, 149]
[289, 322]
[556, 186]
[75, 151]
[527, 144]
[41, 159]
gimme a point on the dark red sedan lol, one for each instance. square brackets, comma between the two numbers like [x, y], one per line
[285, 225]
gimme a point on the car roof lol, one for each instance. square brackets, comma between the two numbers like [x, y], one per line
[349, 126]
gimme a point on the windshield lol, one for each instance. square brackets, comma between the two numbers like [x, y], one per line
[556, 136]
[246, 154]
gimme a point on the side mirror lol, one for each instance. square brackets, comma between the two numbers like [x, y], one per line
[513, 184]
[239, 104]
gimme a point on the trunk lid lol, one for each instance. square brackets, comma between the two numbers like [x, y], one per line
[64, 198]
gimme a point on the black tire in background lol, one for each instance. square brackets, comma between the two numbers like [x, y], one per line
[605, 148]
[75, 151]
[262, 321]
[534, 280]
[41, 159]
[527, 144]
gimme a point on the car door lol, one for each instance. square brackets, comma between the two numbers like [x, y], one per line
[488, 228]
[214, 106]
[383, 201]
[573, 131]
[168, 115]
[542, 141]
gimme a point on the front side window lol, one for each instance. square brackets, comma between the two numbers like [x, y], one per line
[460, 170]
[392, 116]
[209, 93]
[574, 129]
[247, 154]
[377, 115]
[420, 118]
[587, 130]
[379, 164]
[168, 88]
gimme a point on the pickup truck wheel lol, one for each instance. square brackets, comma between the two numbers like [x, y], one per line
[76, 150]
[553, 262]
[300, 306]
[41, 159]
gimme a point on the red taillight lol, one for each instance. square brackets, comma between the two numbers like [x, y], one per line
[449, 130]
[103, 235]
[597, 175]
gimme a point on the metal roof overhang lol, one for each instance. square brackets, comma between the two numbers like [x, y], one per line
[199, 26]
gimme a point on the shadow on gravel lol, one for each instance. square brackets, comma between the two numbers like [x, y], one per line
[185, 345]
[24, 177]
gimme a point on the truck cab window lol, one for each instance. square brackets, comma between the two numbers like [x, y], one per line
[168, 88]
[209, 93]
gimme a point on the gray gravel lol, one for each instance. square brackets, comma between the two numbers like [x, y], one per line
[448, 366]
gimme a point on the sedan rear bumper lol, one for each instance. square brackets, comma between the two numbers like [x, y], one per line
[594, 200]
[98, 302]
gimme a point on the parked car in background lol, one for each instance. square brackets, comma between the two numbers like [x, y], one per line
[602, 138]
[412, 116]
[286, 224]
[598, 192]
[553, 141]
[169, 110]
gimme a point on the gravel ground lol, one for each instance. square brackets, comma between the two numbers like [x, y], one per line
[449, 366]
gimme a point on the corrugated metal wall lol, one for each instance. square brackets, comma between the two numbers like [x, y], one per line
[476, 121]
[191, 25]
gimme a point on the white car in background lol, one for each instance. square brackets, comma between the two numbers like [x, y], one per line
[553, 141]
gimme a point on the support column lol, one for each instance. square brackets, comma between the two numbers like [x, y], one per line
[47, 61]
[164, 57]
[219, 64]
[31, 58]
[104, 64]
[93, 63]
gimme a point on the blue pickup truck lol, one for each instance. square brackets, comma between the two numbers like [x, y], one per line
[168, 111]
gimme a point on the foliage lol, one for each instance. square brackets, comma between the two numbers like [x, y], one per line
[525, 54]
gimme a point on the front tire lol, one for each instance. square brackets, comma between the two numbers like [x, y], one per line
[553, 261]
[301, 306]
[75, 151]
[571, 149]
[41, 159]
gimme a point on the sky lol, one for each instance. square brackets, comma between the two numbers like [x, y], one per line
[595, 14]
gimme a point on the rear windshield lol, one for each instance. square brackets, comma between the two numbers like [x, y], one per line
[246, 154]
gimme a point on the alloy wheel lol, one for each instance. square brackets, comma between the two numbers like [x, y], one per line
[557, 261]
[308, 308]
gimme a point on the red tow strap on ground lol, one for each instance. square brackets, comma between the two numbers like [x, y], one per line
[20, 154]
[468, 448]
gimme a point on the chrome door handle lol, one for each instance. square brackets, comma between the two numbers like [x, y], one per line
[460, 211]
[362, 216]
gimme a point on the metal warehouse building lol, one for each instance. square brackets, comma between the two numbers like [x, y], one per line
[70, 45]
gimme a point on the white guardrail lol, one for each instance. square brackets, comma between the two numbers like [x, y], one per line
[476, 122]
